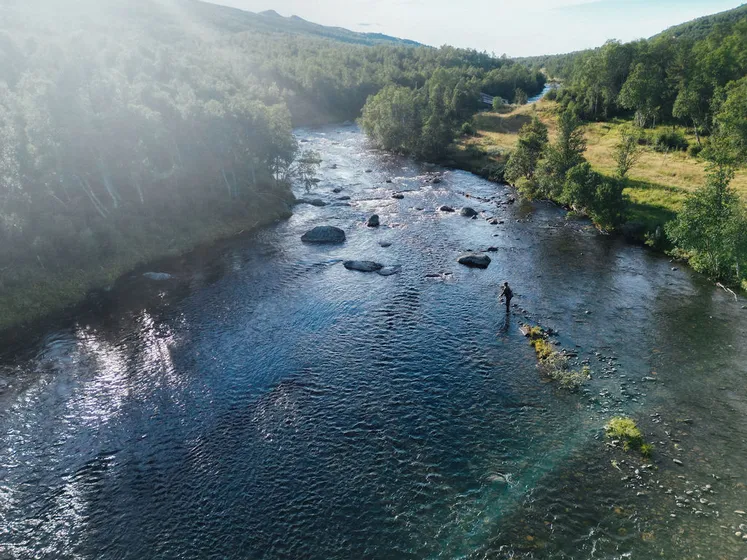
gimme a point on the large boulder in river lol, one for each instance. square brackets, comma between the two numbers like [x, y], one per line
[324, 234]
[468, 212]
[373, 221]
[363, 266]
[475, 260]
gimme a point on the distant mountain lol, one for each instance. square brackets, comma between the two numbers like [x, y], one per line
[269, 21]
[699, 28]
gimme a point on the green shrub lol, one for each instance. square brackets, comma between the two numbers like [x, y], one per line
[543, 348]
[567, 378]
[625, 430]
[468, 129]
[552, 95]
[670, 140]
[694, 150]
[647, 450]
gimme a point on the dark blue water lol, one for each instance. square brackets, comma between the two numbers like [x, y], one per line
[268, 403]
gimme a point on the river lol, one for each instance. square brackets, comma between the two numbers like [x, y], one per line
[268, 403]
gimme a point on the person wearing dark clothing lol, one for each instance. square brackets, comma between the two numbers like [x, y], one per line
[507, 293]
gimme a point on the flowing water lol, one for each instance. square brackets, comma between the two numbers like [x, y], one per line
[266, 402]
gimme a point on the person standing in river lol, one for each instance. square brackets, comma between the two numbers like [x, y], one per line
[507, 293]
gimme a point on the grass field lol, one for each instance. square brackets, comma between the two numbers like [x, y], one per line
[658, 183]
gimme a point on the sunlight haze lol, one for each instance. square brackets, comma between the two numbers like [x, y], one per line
[500, 26]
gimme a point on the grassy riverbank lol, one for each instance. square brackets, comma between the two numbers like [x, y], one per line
[37, 291]
[656, 186]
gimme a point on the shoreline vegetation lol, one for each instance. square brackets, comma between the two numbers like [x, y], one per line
[53, 293]
[655, 187]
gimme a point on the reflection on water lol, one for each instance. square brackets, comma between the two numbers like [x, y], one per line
[269, 403]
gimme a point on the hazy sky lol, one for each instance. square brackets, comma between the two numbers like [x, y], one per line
[514, 27]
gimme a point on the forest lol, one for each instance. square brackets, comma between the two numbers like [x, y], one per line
[133, 130]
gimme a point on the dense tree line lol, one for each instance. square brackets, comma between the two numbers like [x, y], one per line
[558, 171]
[422, 120]
[669, 78]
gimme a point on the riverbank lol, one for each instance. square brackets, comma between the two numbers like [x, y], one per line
[43, 292]
[656, 185]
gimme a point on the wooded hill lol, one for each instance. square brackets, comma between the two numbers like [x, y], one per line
[131, 129]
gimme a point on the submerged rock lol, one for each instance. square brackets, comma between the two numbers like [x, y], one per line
[157, 276]
[389, 270]
[385, 244]
[324, 234]
[337, 190]
[363, 266]
[373, 221]
[468, 212]
[312, 201]
[446, 209]
[398, 196]
[498, 479]
[437, 180]
[475, 260]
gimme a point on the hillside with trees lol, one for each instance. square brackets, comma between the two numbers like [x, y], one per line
[676, 103]
[135, 129]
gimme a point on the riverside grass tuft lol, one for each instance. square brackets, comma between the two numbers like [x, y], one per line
[625, 430]
[555, 365]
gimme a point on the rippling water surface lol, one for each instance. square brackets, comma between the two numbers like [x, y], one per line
[268, 403]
